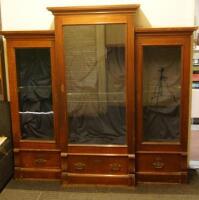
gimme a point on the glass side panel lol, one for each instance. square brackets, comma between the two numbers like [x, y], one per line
[35, 96]
[95, 78]
[161, 93]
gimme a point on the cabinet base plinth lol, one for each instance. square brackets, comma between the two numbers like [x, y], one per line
[39, 174]
[99, 179]
[171, 177]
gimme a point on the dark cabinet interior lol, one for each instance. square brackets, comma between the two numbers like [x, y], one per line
[35, 92]
[95, 81]
[161, 93]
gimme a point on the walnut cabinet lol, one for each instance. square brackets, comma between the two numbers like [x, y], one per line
[98, 100]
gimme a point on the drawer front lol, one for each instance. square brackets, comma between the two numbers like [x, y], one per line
[158, 163]
[40, 159]
[98, 164]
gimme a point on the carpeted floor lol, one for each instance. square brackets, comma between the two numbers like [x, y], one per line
[37, 190]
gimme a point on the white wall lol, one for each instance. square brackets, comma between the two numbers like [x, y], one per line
[197, 12]
[32, 14]
[195, 105]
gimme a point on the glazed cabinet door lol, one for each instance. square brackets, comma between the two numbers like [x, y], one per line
[31, 63]
[163, 69]
[162, 84]
[33, 96]
[96, 76]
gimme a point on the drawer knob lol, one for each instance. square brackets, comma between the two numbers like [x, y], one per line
[115, 167]
[158, 163]
[40, 161]
[79, 166]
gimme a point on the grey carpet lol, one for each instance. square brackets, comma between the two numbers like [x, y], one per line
[46, 190]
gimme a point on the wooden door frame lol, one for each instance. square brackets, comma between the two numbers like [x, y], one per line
[82, 17]
[164, 37]
[30, 39]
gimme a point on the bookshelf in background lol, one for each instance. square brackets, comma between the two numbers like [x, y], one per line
[195, 75]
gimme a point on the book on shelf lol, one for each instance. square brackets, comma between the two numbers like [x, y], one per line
[195, 77]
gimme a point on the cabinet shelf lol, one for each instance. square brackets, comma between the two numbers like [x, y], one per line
[36, 112]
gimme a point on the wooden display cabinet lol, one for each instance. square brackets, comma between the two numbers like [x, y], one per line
[98, 101]
[94, 51]
[162, 103]
[33, 107]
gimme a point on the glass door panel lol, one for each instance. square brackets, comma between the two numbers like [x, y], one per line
[95, 78]
[35, 96]
[161, 93]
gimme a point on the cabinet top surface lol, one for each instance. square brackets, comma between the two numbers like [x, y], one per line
[164, 30]
[28, 34]
[139, 30]
[123, 8]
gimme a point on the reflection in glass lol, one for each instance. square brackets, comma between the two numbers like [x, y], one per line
[35, 97]
[161, 93]
[95, 72]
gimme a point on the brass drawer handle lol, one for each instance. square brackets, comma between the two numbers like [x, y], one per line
[79, 166]
[115, 167]
[40, 161]
[158, 163]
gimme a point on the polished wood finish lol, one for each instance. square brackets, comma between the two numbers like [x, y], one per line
[106, 153]
[183, 41]
[108, 9]
[97, 164]
[28, 34]
[32, 157]
[98, 149]
[37, 163]
[166, 30]
[161, 177]
[35, 173]
[137, 161]
[73, 178]
[157, 162]
[163, 161]
[40, 159]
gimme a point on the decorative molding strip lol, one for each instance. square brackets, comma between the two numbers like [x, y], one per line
[130, 8]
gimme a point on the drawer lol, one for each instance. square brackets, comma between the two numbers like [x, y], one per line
[158, 162]
[98, 164]
[40, 159]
